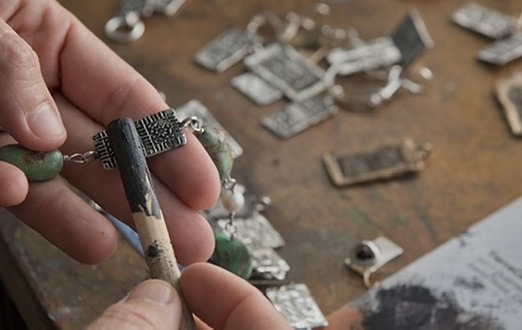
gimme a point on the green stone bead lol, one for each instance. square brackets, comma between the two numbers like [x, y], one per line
[37, 166]
[233, 256]
[219, 151]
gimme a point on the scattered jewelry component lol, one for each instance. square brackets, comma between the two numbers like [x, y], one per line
[412, 38]
[297, 306]
[509, 94]
[256, 89]
[484, 21]
[374, 54]
[284, 68]
[195, 108]
[159, 132]
[298, 116]
[380, 162]
[502, 51]
[268, 264]
[370, 255]
[227, 49]
[127, 25]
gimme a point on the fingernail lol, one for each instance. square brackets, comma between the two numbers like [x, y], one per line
[153, 291]
[45, 123]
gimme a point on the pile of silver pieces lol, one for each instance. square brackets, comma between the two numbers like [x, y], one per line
[282, 67]
[504, 29]
[251, 227]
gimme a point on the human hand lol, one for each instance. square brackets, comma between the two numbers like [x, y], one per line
[218, 298]
[57, 77]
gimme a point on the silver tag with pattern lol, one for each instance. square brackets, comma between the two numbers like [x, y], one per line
[484, 21]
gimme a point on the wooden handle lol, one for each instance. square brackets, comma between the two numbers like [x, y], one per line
[145, 208]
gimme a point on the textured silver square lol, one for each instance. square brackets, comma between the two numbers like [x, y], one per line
[502, 51]
[297, 306]
[268, 264]
[256, 89]
[196, 108]
[412, 38]
[283, 67]
[484, 21]
[225, 50]
[298, 116]
[158, 133]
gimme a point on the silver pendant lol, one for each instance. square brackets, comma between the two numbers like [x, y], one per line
[380, 162]
[256, 89]
[376, 53]
[297, 306]
[484, 21]
[225, 50]
[159, 132]
[298, 116]
[196, 108]
[412, 38]
[502, 51]
[369, 256]
[509, 94]
[283, 67]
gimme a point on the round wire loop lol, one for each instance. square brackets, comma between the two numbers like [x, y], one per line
[84, 158]
[126, 28]
[194, 123]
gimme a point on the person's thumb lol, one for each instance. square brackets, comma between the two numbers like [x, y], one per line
[27, 109]
[153, 304]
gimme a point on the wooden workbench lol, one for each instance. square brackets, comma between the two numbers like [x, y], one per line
[473, 170]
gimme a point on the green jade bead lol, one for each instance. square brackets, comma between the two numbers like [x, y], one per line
[37, 166]
[216, 146]
[232, 255]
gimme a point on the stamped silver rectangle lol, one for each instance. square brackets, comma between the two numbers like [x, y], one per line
[482, 20]
[283, 67]
[509, 94]
[256, 88]
[384, 161]
[268, 264]
[298, 116]
[297, 306]
[225, 50]
[502, 51]
[158, 133]
[196, 108]
[412, 38]
[375, 53]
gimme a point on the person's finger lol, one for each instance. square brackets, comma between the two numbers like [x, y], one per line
[27, 109]
[64, 219]
[152, 304]
[225, 301]
[14, 187]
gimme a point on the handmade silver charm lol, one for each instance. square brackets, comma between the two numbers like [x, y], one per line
[370, 255]
[509, 94]
[297, 306]
[484, 21]
[298, 116]
[227, 49]
[411, 38]
[283, 67]
[384, 161]
[502, 51]
[268, 264]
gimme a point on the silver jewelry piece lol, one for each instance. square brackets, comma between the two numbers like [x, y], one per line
[485, 21]
[256, 88]
[370, 255]
[509, 94]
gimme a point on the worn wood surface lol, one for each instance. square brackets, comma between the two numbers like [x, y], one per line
[473, 169]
